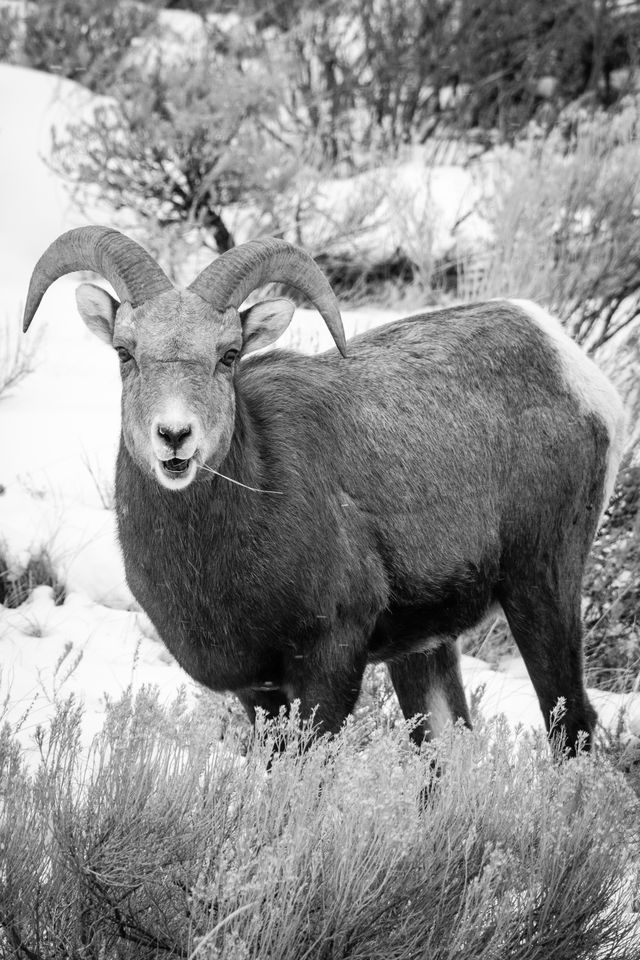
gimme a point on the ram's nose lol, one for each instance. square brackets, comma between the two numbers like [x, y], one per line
[173, 435]
[173, 438]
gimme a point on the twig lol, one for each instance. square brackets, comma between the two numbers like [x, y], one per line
[217, 473]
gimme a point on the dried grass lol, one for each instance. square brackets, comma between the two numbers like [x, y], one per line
[163, 843]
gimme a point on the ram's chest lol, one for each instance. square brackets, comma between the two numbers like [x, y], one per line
[197, 611]
[208, 602]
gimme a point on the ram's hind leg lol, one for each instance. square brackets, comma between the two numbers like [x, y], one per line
[545, 620]
[430, 683]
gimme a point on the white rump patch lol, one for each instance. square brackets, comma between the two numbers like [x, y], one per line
[593, 390]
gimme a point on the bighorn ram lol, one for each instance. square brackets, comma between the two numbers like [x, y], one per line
[287, 519]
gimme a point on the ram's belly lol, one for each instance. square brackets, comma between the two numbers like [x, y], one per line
[429, 603]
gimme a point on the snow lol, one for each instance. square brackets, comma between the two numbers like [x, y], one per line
[58, 432]
[181, 37]
[427, 211]
[82, 649]
[508, 690]
[34, 201]
[181, 33]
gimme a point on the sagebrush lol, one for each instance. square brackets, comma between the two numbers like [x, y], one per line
[164, 842]
[563, 212]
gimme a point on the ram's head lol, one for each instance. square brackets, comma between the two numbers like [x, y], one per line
[178, 349]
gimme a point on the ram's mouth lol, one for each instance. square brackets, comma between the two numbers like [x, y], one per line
[176, 473]
[175, 466]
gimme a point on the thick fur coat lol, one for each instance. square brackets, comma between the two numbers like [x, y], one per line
[445, 465]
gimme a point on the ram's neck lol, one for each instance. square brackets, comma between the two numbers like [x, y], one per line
[246, 466]
[186, 551]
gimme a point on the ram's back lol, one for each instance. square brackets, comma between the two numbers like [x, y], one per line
[454, 436]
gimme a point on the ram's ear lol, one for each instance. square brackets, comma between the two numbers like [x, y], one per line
[98, 310]
[264, 322]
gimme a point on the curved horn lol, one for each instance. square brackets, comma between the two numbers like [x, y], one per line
[131, 271]
[231, 277]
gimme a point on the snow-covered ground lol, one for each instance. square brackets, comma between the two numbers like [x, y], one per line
[58, 435]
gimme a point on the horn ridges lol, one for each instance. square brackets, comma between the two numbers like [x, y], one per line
[131, 271]
[229, 280]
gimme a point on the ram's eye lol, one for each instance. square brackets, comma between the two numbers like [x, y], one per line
[228, 357]
[123, 354]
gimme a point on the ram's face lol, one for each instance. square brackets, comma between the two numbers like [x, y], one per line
[177, 360]
[178, 349]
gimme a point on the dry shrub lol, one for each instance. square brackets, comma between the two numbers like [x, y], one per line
[17, 357]
[15, 589]
[84, 40]
[9, 31]
[612, 591]
[163, 844]
[565, 219]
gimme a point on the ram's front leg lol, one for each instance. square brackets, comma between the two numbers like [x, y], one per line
[327, 681]
[269, 700]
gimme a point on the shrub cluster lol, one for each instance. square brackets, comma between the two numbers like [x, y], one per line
[180, 143]
[563, 212]
[377, 72]
[84, 40]
[612, 591]
[39, 571]
[160, 843]
[306, 84]
[363, 72]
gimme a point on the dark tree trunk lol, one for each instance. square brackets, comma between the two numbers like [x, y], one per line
[223, 237]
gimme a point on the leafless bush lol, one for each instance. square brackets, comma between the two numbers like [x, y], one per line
[179, 143]
[369, 74]
[17, 357]
[104, 485]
